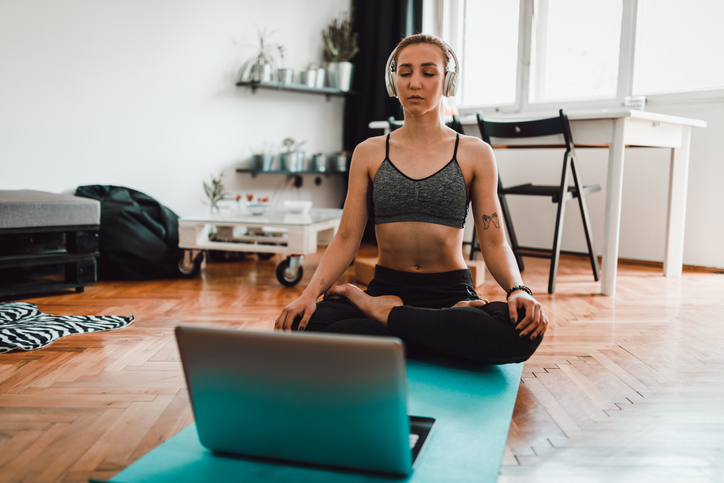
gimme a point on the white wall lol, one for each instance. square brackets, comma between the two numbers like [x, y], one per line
[141, 94]
[646, 179]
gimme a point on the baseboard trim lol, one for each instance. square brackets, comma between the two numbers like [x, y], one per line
[648, 263]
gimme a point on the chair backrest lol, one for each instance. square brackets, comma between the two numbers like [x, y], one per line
[455, 124]
[527, 129]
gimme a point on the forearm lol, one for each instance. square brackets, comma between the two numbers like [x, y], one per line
[336, 259]
[525, 311]
[502, 265]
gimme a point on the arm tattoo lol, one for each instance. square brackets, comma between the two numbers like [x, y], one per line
[322, 282]
[487, 219]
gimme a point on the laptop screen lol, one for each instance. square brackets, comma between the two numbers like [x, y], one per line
[313, 398]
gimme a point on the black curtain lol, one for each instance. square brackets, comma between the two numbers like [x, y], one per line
[380, 24]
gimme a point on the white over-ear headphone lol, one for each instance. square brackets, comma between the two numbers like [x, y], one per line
[450, 84]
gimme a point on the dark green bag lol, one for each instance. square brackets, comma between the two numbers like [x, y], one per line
[138, 235]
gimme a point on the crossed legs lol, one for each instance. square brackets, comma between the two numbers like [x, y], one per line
[472, 329]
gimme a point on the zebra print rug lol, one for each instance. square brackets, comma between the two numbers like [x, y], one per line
[23, 326]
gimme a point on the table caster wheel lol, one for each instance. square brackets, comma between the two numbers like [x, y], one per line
[188, 264]
[290, 271]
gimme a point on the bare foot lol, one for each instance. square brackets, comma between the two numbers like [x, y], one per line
[376, 308]
[471, 303]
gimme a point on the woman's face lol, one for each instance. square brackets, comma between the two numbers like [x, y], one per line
[420, 74]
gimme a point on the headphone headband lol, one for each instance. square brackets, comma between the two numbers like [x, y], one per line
[450, 84]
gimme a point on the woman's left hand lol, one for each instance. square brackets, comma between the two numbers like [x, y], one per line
[535, 322]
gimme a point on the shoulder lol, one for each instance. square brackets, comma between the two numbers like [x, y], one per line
[369, 153]
[475, 154]
[367, 157]
[474, 146]
[373, 146]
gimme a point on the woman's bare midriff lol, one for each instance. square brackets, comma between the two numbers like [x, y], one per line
[420, 247]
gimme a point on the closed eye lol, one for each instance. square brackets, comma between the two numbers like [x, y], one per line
[426, 74]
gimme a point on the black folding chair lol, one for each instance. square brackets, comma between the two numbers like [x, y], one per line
[558, 193]
[455, 125]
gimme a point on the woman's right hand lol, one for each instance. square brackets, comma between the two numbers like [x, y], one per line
[343, 248]
[304, 306]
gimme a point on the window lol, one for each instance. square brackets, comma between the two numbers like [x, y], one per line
[678, 46]
[575, 49]
[520, 55]
[490, 52]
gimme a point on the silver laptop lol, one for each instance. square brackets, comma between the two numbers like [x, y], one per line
[312, 398]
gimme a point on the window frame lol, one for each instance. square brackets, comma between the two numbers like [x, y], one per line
[452, 12]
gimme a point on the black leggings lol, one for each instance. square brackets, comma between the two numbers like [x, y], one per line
[428, 319]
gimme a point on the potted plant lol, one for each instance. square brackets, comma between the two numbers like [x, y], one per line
[285, 75]
[215, 192]
[259, 67]
[293, 159]
[340, 46]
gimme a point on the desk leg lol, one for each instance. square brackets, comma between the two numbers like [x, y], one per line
[676, 211]
[612, 219]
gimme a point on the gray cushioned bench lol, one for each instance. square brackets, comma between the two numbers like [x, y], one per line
[48, 242]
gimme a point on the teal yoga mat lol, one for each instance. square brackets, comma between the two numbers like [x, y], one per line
[473, 405]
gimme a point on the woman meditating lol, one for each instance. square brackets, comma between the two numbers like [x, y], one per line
[417, 183]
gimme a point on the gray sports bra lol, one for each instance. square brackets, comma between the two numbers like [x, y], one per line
[441, 198]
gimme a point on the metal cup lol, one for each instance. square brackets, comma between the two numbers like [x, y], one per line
[308, 77]
[319, 162]
[288, 161]
[340, 161]
[285, 76]
[266, 162]
[319, 81]
[300, 161]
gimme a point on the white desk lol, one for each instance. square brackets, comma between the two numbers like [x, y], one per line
[618, 129]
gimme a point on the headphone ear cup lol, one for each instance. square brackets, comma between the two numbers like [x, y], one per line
[391, 90]
[450, 84]
[390, 75]
[446, 84]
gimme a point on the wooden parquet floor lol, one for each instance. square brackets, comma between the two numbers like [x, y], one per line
[624, 388]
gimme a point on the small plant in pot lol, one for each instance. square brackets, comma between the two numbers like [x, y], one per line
[285, 75]
[293, 159]
[260, 66]
[340, 46]
[216, 192]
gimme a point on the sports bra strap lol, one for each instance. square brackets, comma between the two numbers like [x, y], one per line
[387, 147]
[457, 140]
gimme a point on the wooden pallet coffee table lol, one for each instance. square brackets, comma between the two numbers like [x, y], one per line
[291, 234]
